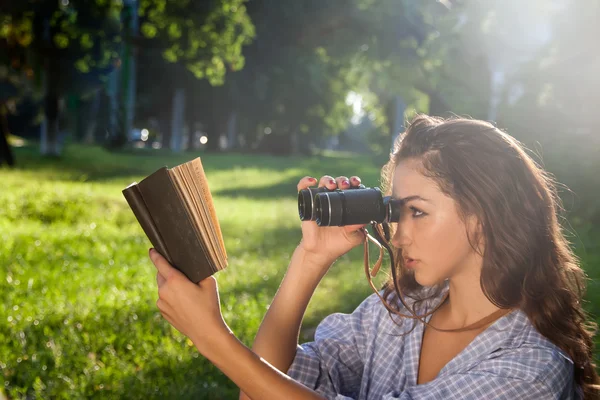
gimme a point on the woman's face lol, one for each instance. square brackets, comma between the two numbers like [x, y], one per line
[430, 231]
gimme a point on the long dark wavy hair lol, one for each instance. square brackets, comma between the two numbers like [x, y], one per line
[527, 261]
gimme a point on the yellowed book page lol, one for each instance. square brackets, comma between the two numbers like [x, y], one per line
[191, 179]
[200, 205]
[205, 190]
[202, 227]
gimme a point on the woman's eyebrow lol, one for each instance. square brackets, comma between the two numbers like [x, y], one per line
[409, 198]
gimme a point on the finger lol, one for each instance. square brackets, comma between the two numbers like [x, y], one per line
[328, 182]
[342, 182]
[160, 280]
[162, 265]
[162, 305]
[209, 283]
[355, 181]
[167, 315]
[356, 233]
[172, 322]
[353, 228]
[306, 182]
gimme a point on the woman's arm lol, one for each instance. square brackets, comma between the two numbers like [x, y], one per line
[252, 373]
[277, 336]
[194, 310]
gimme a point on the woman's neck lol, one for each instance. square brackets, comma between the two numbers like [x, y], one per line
[466, 302]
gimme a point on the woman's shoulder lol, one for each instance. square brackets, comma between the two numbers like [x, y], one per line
[514, 349]
[524, 335]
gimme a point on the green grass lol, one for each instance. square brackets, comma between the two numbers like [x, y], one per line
[78, 291]
[79, 317]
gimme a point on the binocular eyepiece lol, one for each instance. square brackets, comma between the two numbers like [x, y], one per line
[347, 207]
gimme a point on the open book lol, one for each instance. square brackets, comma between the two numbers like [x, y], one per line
[175, 209]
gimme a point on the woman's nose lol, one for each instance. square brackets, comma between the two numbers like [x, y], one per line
[401, 237]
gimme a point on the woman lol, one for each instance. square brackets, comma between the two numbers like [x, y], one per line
[484, 301]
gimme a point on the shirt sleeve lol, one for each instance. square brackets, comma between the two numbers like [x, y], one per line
[333, 364]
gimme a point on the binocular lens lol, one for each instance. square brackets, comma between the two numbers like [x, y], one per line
[354, 207]
[306, 199]
[393, 209]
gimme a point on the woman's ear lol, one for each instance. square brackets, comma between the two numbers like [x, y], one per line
[476, 234]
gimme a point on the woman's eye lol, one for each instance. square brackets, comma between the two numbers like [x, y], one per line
[416, 212]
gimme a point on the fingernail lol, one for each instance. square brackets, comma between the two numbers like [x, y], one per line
[346, 182]
[312, 179]
[332, 182]
[151, 251]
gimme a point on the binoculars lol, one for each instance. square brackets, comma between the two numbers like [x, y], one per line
[355, 206]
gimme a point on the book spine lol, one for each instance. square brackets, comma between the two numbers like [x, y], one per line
[136, 202]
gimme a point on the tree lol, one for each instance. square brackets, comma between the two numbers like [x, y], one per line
[199, 42]
[86, 35]
[550, 103]
[57, 45]
[308, 56]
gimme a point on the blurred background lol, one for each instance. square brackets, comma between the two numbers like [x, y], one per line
[96, 94]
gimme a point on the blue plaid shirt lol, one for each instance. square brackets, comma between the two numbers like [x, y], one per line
[362, 356]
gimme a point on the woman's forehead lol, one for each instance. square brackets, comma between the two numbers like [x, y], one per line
[409, 181]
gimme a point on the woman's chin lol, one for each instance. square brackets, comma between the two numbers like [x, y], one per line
[427, 280]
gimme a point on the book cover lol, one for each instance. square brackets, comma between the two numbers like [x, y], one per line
[166, 219]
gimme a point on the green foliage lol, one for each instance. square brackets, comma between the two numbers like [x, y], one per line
[309, 55]
[66, 39]
[78, 25]
[89, 35]
[205, 36]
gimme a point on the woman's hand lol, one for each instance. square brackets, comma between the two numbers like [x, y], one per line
[326, 244]
[193, 309]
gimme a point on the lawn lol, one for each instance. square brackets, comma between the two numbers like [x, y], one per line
[78, 291]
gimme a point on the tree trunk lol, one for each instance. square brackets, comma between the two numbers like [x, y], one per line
[75, 112]
[128, 69]
[90, 128]
[116, 136]
[213, 132]
[232, 131]
[5, 150]
[177, 119]
[191, 138]
[294, 142]
[396, 118]
[242, 138]
[49, 141]
[497, 82]
[437, 105]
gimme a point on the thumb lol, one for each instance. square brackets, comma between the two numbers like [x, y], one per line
[357, 234]
[209, 283]
[162, 265]
[354, 228]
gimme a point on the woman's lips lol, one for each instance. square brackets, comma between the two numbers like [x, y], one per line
[410, 263]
